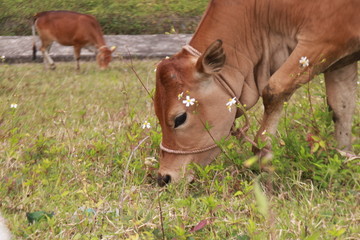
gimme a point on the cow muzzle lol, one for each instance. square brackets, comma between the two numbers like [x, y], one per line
[163, 179]
[166, 177]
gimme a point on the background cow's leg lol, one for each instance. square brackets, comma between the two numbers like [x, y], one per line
[77, 50]
[45, 48]
[341, 97]
[51, 61]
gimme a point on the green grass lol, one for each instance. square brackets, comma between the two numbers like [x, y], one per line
[74, 146]
[115, 17]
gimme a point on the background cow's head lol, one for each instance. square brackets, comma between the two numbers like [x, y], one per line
[185, 137]
[103, 57]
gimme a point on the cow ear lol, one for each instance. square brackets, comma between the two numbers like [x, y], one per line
[212, 60]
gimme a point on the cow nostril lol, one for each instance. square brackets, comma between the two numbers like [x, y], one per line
[167, 179]
[163, 180]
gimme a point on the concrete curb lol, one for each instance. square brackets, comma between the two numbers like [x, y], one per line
[18, 49]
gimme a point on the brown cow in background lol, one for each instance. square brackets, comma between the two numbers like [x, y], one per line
[70, 29]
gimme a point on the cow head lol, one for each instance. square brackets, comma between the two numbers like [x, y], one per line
[103, 57]
[180, 80]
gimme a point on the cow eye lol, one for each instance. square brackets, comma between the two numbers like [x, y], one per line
[180, 120]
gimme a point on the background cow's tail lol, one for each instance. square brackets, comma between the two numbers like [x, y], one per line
[34, 39]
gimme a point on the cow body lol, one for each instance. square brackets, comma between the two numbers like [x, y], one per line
[262, 42]
[70, 29]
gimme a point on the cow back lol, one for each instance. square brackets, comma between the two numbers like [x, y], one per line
[69, 28]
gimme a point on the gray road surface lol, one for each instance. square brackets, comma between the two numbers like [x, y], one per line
[18, 49]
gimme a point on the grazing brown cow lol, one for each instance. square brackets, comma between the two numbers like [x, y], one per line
[70, 29]
[267, 49]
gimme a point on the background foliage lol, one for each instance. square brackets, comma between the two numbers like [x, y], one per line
[116, 17]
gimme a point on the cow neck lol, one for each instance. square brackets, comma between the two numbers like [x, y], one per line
[230, 21]
[238, 73]
[220, 78]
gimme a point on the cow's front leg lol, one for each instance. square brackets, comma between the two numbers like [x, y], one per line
[282, 84]
[273, 105]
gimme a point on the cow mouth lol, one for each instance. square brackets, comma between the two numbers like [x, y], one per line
[163, 180]
[166, 179]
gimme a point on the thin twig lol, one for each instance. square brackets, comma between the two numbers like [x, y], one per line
[71, 147]
[161, 217]
[313, 122]
[126, 169]
[137, 75]
[285, 120]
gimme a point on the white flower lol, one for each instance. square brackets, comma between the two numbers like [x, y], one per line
[2, 57]
[231, 102]
[13, 105]
[189, 101]
[304, 62]
[180, 95]
[150, 161]
[146, 124]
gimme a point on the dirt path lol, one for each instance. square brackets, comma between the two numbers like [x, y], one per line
[18, 49]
